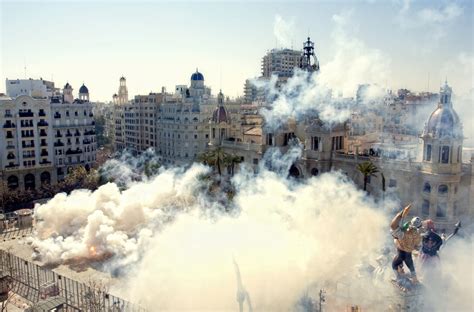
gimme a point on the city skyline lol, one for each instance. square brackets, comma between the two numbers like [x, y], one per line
[431, 41]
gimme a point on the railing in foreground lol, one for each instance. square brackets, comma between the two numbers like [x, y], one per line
[37, 284]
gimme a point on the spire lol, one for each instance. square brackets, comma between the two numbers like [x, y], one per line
[309, 61]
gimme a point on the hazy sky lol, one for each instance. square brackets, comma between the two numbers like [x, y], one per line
[159, 43]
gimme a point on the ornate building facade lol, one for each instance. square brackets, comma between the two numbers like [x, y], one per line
[46, 133]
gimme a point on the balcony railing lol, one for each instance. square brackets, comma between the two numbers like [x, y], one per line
[42, 124]
[8, 125]
[8, 115]
[57, 144]
[27, 145]
[44, 144]
[71, 152]
[26, 114]
[42, 114]
[43, 134]
[10, 146]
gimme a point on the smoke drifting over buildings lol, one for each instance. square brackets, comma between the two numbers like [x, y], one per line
[173, 244]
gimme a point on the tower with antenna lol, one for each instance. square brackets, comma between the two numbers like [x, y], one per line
[309, 61]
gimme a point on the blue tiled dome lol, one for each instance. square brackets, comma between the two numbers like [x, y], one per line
[197, 76]
[83, 89]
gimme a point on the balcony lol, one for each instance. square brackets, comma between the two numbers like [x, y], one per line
[27, 156]
[44, 162]
[26, 114]
[44, 153]
[42, 113]
[24, 145]
[86, 142]
[77, 134]
[57, 116]
[43, 124]
[9, 136]
[44, 144]
[43, 134]
[8, 115]
[71, 152]
[68, 134]
[10, 146]
[11, 167]
[9, 125]
[58, 144]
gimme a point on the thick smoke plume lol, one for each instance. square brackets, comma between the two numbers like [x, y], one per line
[331, 93]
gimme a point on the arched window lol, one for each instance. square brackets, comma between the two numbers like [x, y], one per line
[444, 155]
[30, 183]
[12, 182]
[294, 172]
[45, 178]
[427, 187]
[314, 172]
[443, 189]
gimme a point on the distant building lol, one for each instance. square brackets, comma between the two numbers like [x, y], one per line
[280, 62]
[45, 133]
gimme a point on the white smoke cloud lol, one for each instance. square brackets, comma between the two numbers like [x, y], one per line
[110, 222]
[328, 93]
[433, 19]
[440, 15]
[284, 31]
[287, 237]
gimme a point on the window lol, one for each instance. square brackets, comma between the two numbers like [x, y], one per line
[441, 210]
[443, 189]
[255, 161]
[315, 143]
[392, 183]
[337, 143]
[427, 187]
[270, 139]
[444, 155]
[425, 207]
[314, 172]
[428, 152]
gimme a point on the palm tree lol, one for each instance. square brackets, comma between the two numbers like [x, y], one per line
[368, 169]
[214, 157]
[230, 161]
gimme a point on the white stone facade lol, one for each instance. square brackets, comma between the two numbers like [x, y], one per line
[44, 136]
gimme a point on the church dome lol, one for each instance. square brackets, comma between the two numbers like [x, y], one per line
[444, 121]
[197, 76]
[220, 115]
[67, 86]
[83, 89]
